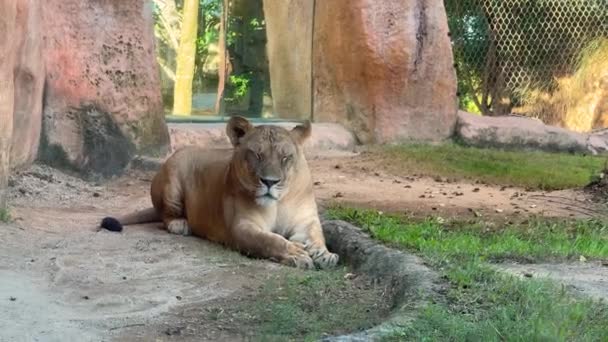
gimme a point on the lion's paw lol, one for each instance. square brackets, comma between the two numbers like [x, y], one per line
[298, 257]
[179, 227]
[323, 258]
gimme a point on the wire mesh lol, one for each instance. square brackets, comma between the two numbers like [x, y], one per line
[504, 48]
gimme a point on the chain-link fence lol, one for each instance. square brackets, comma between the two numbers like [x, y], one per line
[506, 50]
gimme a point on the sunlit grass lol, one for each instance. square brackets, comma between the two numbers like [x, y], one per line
[482, 304]
[534, 170]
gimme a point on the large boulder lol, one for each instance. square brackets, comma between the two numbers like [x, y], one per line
[102, 99]
[598, 142]
[519, 133]
[8, 19]
[384, 69]
[29, 77]
[289, 33]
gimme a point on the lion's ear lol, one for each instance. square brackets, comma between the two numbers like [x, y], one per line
[302, 132]
[236, 129]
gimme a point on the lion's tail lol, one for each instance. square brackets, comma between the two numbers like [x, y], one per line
[141, 216]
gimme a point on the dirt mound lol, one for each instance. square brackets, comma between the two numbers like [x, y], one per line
[47, 186]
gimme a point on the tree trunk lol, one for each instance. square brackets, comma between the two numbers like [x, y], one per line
[223, 71]
[182, 94]
[8, 9]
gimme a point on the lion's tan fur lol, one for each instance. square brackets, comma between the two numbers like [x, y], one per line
[216, 193]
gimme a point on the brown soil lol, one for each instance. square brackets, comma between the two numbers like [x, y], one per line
[364, 181]
[61, 278]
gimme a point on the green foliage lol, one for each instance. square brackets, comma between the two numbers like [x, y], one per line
[482, 304]
[238, 87]
[535, 170]
[211, 12]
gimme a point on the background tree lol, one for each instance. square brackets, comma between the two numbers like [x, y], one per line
[182, 95]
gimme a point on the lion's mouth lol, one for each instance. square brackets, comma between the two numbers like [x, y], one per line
[268, 196]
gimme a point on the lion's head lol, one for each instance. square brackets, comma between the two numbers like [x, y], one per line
[266, 158]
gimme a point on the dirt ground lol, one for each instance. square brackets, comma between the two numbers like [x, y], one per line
[360, 180]
[61, 279]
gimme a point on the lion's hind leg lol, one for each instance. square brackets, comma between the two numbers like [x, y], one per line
[173, 213]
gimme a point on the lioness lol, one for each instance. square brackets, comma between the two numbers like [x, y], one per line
[258, 199]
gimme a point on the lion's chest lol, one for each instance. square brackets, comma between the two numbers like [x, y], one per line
[289, 220]
[276, 221]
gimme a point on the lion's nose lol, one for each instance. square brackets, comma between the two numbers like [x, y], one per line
[269, 182]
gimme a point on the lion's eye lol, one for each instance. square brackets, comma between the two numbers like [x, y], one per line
[286, 159]
[255, 155]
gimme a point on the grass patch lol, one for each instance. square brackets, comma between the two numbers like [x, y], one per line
[482, 304]
[535, 239]
[5, 215]
[304, 306]
[534, 170]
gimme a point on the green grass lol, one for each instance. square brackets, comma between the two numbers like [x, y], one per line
[5, 215]
[535, 239]
[482, 304]
[304, 305]
[534, 170]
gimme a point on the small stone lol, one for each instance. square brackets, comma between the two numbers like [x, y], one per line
[12, 299]
[350, 276]
[475, 212]
[582, 258]
[476, 190]
[533, 206]
[317, 183]
[528, 275]
[85, 297]
[499, 210]
[337, 166]
[178, 297]
[338, 195]
[96, 194]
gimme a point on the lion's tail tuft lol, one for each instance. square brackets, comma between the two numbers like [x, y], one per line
[142, 216]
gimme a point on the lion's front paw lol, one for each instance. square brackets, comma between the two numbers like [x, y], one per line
[179, 227]
[297, 256]
[323, 258]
